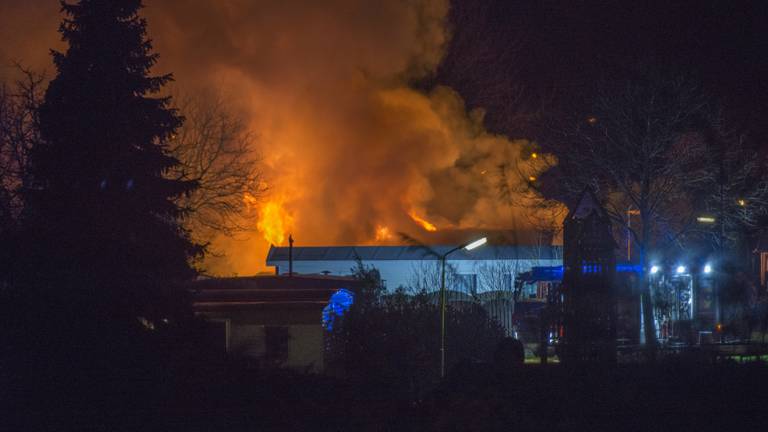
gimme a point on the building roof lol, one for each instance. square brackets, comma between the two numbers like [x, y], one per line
[290, 291]
[386, 253]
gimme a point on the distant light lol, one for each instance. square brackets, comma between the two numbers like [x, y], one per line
[654, 269]
[707, 269]
[534, 155]
[592, 120]
[532, 178]
[680, 269]
[705, 219]
[476, 244]
[742, 202]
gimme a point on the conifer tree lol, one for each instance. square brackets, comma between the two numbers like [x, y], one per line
[101, 216]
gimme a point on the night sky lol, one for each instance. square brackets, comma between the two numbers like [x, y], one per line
[550, 50]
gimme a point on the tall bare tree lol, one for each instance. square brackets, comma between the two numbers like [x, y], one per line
[216, 149]
[737, 192]
[19, 132]
[647, 148]
[424, 276]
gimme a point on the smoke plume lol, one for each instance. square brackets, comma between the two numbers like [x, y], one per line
[352, 152]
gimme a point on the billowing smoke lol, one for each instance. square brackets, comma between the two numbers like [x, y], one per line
[352, 152]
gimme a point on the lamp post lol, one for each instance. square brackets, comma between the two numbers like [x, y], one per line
[630, 212]
[469, 246]
[721, 236]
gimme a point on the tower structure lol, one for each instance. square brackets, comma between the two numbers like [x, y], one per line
[589, 302]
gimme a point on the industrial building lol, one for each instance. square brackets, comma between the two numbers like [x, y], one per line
[483, 270]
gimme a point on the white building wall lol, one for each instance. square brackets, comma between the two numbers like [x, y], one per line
[397, 273]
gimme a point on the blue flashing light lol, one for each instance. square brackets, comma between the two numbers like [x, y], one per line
[547, 273]
[555, 273]
[591, 268]
[338, 304]
[629, 268]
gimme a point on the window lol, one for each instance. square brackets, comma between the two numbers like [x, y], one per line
[276, 341]
[216, 335]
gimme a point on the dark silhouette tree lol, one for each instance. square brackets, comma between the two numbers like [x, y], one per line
[101, 216]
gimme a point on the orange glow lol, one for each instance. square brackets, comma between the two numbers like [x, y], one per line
[531, 178]
[421, 221]
[383, 233]
[534, 155]
[273, 222]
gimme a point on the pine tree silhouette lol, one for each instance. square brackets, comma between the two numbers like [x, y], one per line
[101, 216]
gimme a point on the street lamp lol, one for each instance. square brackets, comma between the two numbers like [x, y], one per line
[630, 212]
[468, 246]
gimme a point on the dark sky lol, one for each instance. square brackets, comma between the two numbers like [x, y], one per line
[507, 51]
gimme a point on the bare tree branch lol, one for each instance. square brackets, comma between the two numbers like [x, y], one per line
[19, 133]
[216, 149]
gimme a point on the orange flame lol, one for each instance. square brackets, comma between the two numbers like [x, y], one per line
[273, 222]
[421, 221]
[383, 233]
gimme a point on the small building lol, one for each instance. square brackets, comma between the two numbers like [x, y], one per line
[269, 320]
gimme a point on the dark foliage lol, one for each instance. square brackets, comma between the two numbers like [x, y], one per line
[391, 341]
[677, 395]
[91, 316]
[99, 213]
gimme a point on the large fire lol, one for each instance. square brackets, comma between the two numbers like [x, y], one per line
[427, 225]
[273, 221]
[353, 152]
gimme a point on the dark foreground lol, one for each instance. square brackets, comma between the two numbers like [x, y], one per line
[675, 395]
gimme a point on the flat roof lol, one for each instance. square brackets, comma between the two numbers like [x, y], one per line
[412, 253]
[276, 291]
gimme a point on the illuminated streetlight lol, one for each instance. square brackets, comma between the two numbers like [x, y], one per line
[476, 244]
[706, 219]
[707, 269]
[654, 269]
[680, 269]
[468, 246]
